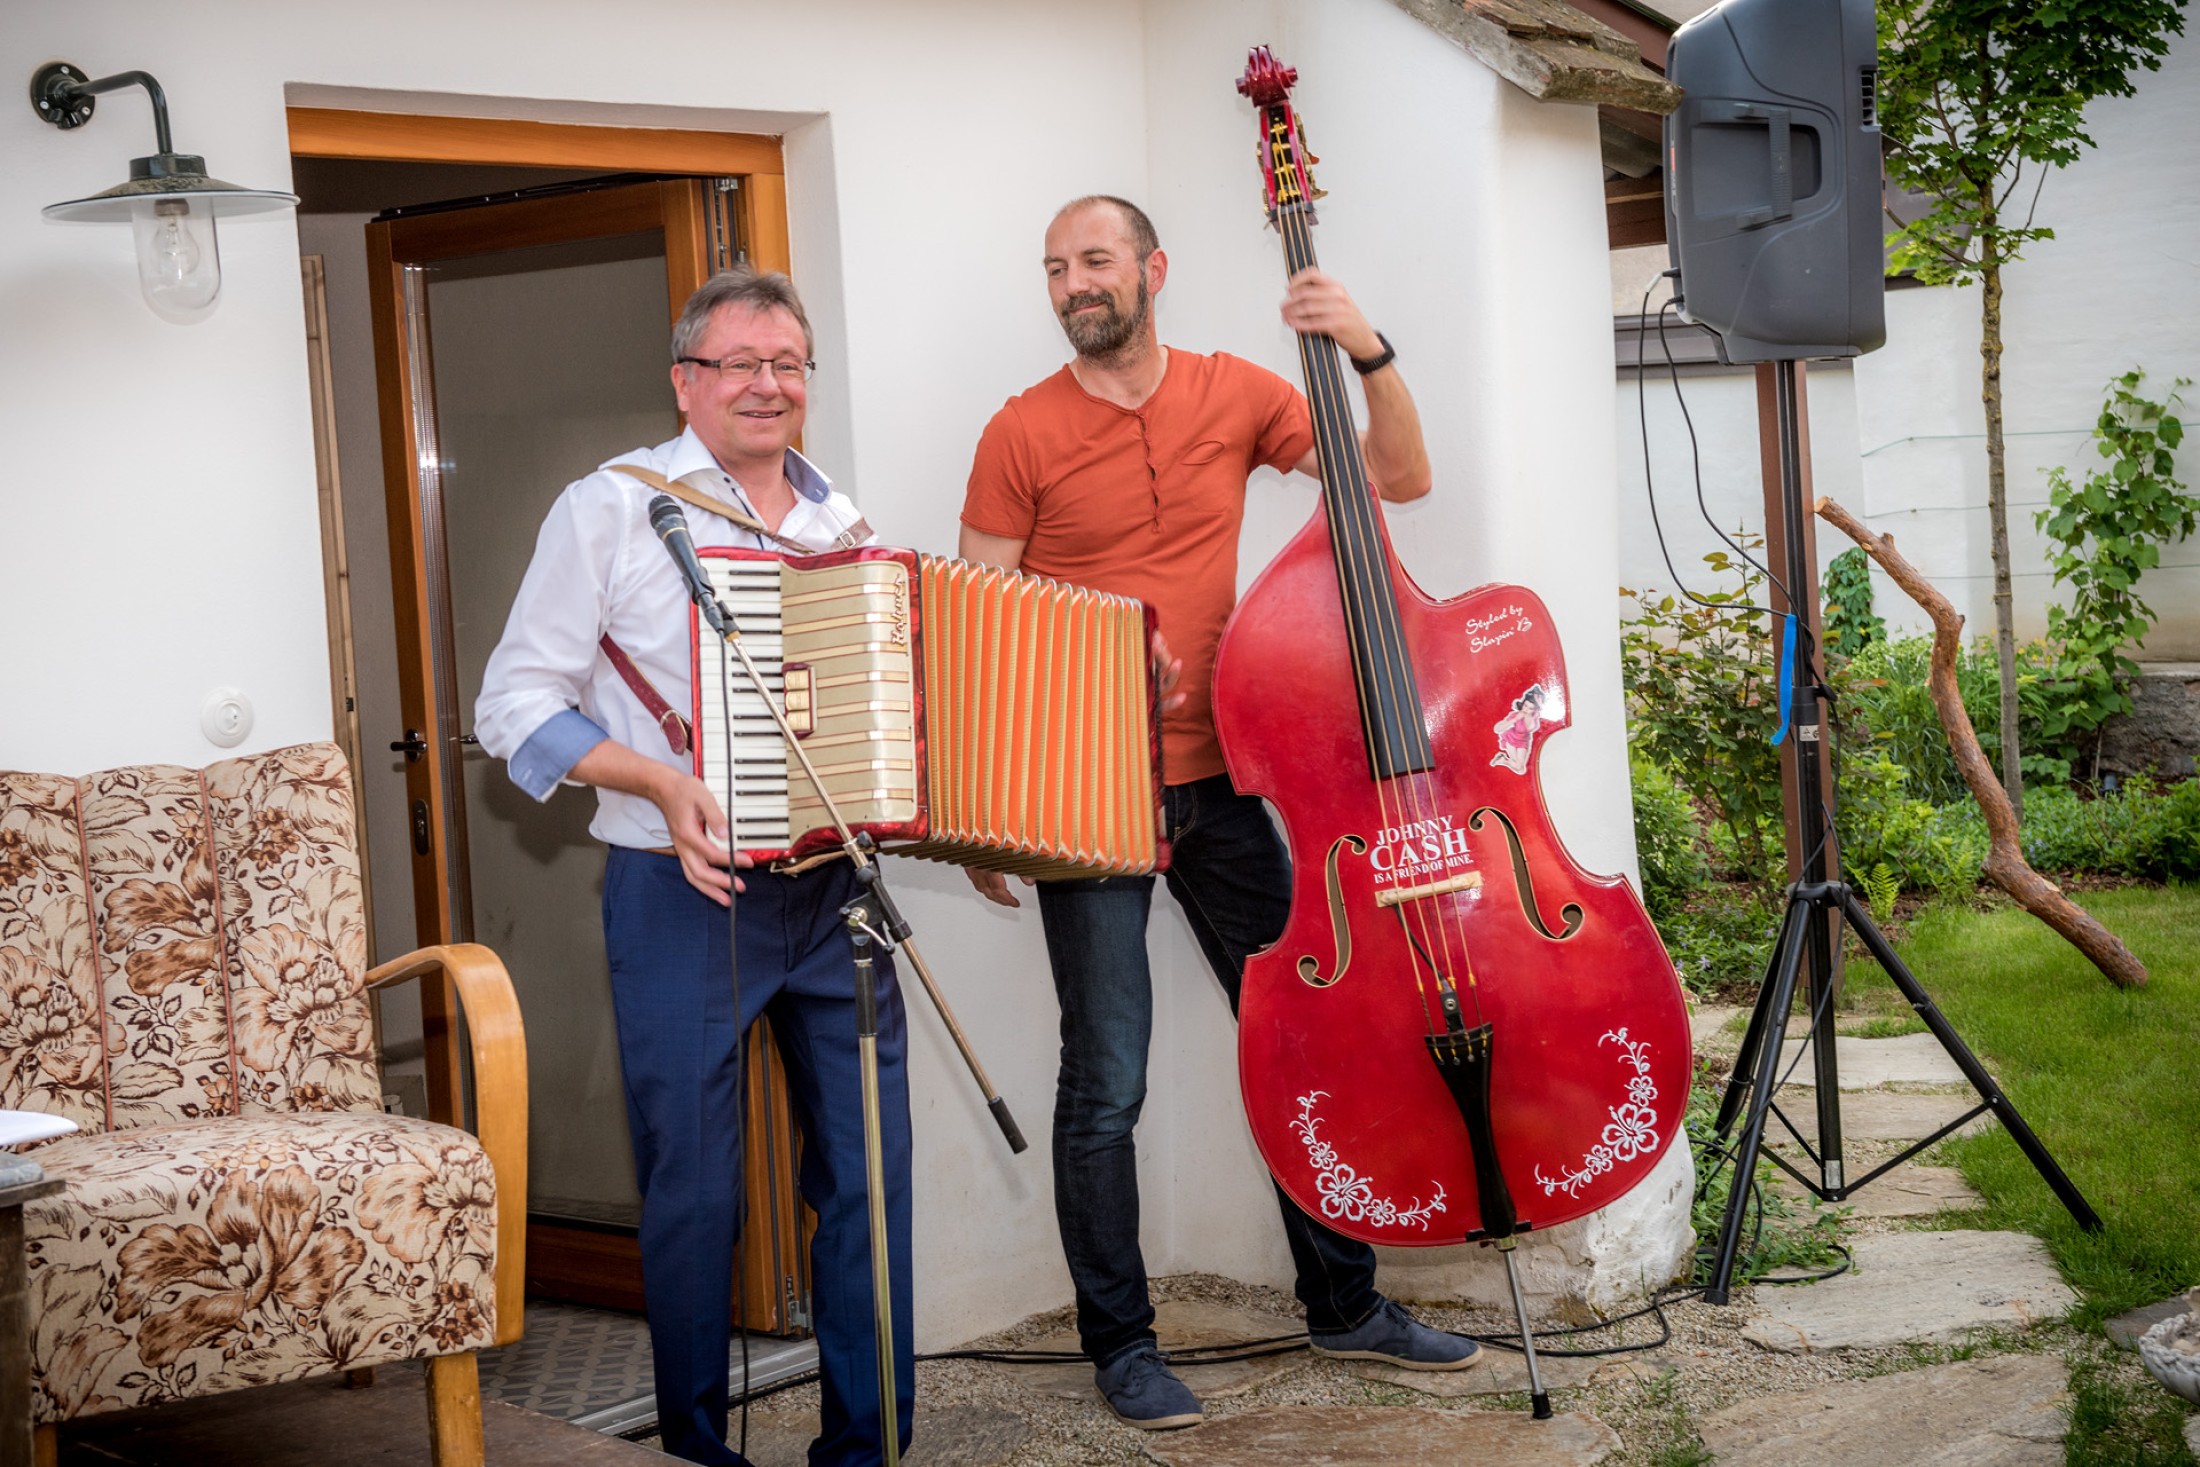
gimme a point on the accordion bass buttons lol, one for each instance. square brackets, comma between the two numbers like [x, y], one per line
[795, 698]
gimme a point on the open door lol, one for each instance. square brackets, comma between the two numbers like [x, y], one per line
[518, 344]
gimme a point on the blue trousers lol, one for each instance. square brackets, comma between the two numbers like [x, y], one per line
[1232, 877]
[678, 1033]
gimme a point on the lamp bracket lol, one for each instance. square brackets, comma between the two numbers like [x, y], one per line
[63, 96]
[56, 91]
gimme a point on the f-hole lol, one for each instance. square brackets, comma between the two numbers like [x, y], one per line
[1309, 969]
[1524, 882]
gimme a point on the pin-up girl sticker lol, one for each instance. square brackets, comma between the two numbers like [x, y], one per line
[1516, 731]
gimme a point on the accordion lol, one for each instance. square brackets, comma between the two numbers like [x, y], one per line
[956, 711]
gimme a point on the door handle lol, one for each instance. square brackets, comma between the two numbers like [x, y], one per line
[412, 746]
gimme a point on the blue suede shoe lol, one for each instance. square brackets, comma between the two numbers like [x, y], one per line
[1396, 1338]
[1146, 1393]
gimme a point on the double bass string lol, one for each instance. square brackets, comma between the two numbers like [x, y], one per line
[1358, 597]
[1357, 545]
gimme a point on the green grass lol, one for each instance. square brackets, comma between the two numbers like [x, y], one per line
[1666, 1437]
[2107, 1078]
[2118, 1416]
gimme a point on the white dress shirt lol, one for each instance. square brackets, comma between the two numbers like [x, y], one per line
[549, 694]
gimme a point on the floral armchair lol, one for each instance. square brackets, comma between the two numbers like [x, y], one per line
[182, 959]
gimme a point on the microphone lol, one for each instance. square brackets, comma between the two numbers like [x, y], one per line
[671, 527]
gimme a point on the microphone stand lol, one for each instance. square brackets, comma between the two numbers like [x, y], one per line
[861, 935]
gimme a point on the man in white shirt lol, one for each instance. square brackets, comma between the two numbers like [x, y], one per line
[557, 707]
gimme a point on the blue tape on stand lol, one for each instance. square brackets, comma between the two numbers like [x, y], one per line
[1787, 677]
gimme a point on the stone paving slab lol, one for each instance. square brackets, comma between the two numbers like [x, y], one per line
[1179, 1324]
[1501, 1371]
[953, 1436]
[1909, 1287]
[1886, 1115]
[2002, 1412]
[1385, 1436]
[1909, 1190]
[1707, 1026]
[2126, 1328]
[1867, 1064]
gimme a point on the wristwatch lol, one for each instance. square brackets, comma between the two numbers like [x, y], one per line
[1375, 363]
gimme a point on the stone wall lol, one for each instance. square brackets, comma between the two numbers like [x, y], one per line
[2162, 732]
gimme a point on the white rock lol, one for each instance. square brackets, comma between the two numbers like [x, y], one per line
[2171, 1351]
[1611, 1257]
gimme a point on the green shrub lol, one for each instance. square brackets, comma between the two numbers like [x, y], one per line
[1721, 939]
[2163, 834]
[1883, 705]
[1703, 700]
[2103, 535]
[1668, 840]
[1923, 846]
[1879, 887]
[1846, 591]
[2063, 832]
[2145, 829]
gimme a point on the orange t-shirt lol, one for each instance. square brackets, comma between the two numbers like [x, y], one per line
[1144, 502]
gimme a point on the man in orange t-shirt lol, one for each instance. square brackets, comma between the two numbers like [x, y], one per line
[1126, 471]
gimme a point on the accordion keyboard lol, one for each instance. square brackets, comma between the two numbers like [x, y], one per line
[758, 806]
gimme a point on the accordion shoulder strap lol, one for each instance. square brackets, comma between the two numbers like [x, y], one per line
[674, 727]
[854, 535]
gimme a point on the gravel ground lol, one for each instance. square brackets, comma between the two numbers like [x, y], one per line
[1651, 1398]
[1652, 1401]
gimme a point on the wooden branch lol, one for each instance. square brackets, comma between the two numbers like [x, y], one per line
[2005, 863]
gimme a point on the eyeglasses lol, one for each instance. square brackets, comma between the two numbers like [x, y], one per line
[738, 370]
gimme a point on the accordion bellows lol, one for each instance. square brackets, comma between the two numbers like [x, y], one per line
[955, 711]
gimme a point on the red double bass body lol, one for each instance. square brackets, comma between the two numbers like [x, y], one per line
[1428, 879]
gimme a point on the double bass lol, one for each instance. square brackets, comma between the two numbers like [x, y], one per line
[1461, 1035]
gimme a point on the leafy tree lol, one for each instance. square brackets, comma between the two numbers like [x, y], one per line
[1846, 591]
[2103, 534]
[1973, 95]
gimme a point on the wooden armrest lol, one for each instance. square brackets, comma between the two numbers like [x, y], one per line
[499, 1045]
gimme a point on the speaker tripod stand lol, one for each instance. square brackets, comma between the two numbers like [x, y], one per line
[1805, 943]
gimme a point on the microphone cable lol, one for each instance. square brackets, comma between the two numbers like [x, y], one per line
[1695, 458]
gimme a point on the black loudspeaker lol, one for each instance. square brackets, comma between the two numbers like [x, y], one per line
[1772, 182]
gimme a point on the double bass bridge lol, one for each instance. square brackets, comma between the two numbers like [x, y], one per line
[1399, 896]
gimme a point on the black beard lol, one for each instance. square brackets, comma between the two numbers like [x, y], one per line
[1103, 338]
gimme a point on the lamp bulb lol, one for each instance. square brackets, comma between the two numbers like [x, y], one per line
[179, 263]
[176, 255]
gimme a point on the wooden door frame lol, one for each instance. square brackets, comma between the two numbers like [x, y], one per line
[405, 137]
[336, 568]
[568, 1260]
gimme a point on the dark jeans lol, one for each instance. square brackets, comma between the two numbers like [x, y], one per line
[1230, 874]
[677, 1030]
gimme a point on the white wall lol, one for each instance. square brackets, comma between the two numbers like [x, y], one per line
[2118, 286]
[926, 148]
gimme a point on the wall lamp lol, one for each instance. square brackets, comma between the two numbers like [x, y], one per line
[169, 200]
